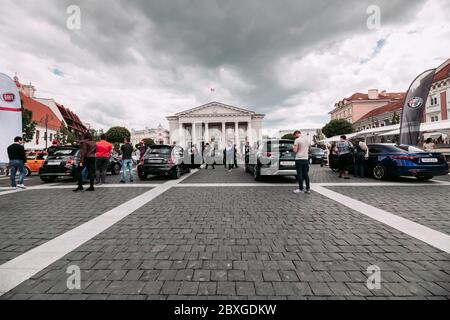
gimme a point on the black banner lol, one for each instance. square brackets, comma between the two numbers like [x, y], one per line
[414, 108]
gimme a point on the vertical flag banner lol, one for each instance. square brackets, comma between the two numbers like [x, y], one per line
[10, 115]
[414, 108]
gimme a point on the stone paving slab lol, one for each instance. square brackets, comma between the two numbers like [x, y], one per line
[245, 243]
[428, 206]
[30, 218]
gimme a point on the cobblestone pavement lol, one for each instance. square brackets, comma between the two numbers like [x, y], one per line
[30, 218]
[428, 206]
[247, 243]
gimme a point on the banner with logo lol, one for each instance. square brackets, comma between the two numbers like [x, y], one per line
[414, 108]
[10, 115]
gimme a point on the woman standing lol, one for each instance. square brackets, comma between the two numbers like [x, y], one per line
[87, 160]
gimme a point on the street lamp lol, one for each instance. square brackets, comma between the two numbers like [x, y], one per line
[45, 120]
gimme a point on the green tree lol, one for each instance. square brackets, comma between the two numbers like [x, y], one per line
[117, 134]
[288, 136]
[337, 127]
[95, 134]
[28, 125]
[318, 136]
[64, 136]
[396, 118]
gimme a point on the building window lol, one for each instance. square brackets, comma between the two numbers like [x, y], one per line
[38, 133]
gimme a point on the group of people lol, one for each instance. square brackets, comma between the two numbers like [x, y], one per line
[209, 157]
[349, 153]
[95, 158]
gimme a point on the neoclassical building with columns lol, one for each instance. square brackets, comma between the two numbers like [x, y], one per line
[215, 123]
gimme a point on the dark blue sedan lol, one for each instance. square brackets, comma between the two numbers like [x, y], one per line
[386, 160]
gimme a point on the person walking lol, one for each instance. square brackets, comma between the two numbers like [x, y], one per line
[235, 157]
[301, 150]
[102, 158]
[126, 150]
[362, 154]
[87, 160]
[345, 149]
[17, 161]
[209, 154]
[229, 156]
[142, 150]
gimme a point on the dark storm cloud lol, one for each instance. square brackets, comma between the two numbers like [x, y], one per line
[249, 36]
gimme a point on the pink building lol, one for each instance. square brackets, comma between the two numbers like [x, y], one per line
[358, 105]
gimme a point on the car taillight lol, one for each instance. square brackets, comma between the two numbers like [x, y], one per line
[170, 161]
[69, 162]
[412, 158]
[267, 154]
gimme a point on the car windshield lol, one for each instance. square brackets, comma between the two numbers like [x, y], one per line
[410, 149]
[159, 150]
[280, 145]
[316, 150]
[64, 152]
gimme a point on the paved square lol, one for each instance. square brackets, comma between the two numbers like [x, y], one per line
[206, 237]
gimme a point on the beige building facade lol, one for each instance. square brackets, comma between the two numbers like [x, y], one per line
[215, 123]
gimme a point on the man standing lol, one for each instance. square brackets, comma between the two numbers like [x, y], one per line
[345, 150]
[102, 157]
[87, 160]
[17, 160]
[301, 149]
[127, 160]
[142, 150]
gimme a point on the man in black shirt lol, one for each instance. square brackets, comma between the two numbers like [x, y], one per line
[126, 151]
[17, 160]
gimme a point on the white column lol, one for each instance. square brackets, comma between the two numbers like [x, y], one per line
[180, 141]
[236, 134]
[194, 134]
[206, 132]
[249, 133]
[224, 136]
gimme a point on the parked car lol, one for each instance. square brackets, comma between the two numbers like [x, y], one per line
[272, 158]
[316, 155]
[388, 160]
[35, 160]
[62, 163]
[115, 164]
[392, 161]
[163, 160]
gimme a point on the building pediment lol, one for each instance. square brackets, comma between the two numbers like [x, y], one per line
[215, 108]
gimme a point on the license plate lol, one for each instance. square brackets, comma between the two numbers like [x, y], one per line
[154, 161]
[287, 163]
[429, 160]
[54, 163]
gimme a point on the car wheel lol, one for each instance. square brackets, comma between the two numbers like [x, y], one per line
[425, 178]
[115, 169]
[379, 172]
[177, 173]
[48, 179]
[257, 173]
[28, 171]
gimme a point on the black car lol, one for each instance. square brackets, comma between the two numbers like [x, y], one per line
[164, 160]
[64, 161]
[316, 155]
[272, 158]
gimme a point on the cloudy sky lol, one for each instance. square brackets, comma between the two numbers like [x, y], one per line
[134, 62]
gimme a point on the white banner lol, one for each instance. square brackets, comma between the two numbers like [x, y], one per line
[10, 115]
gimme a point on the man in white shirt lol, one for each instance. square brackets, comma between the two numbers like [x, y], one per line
[301, 149]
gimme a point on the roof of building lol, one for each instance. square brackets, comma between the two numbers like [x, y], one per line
[72, 120]
[40, 112]
[442, 72]
[393, 106]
